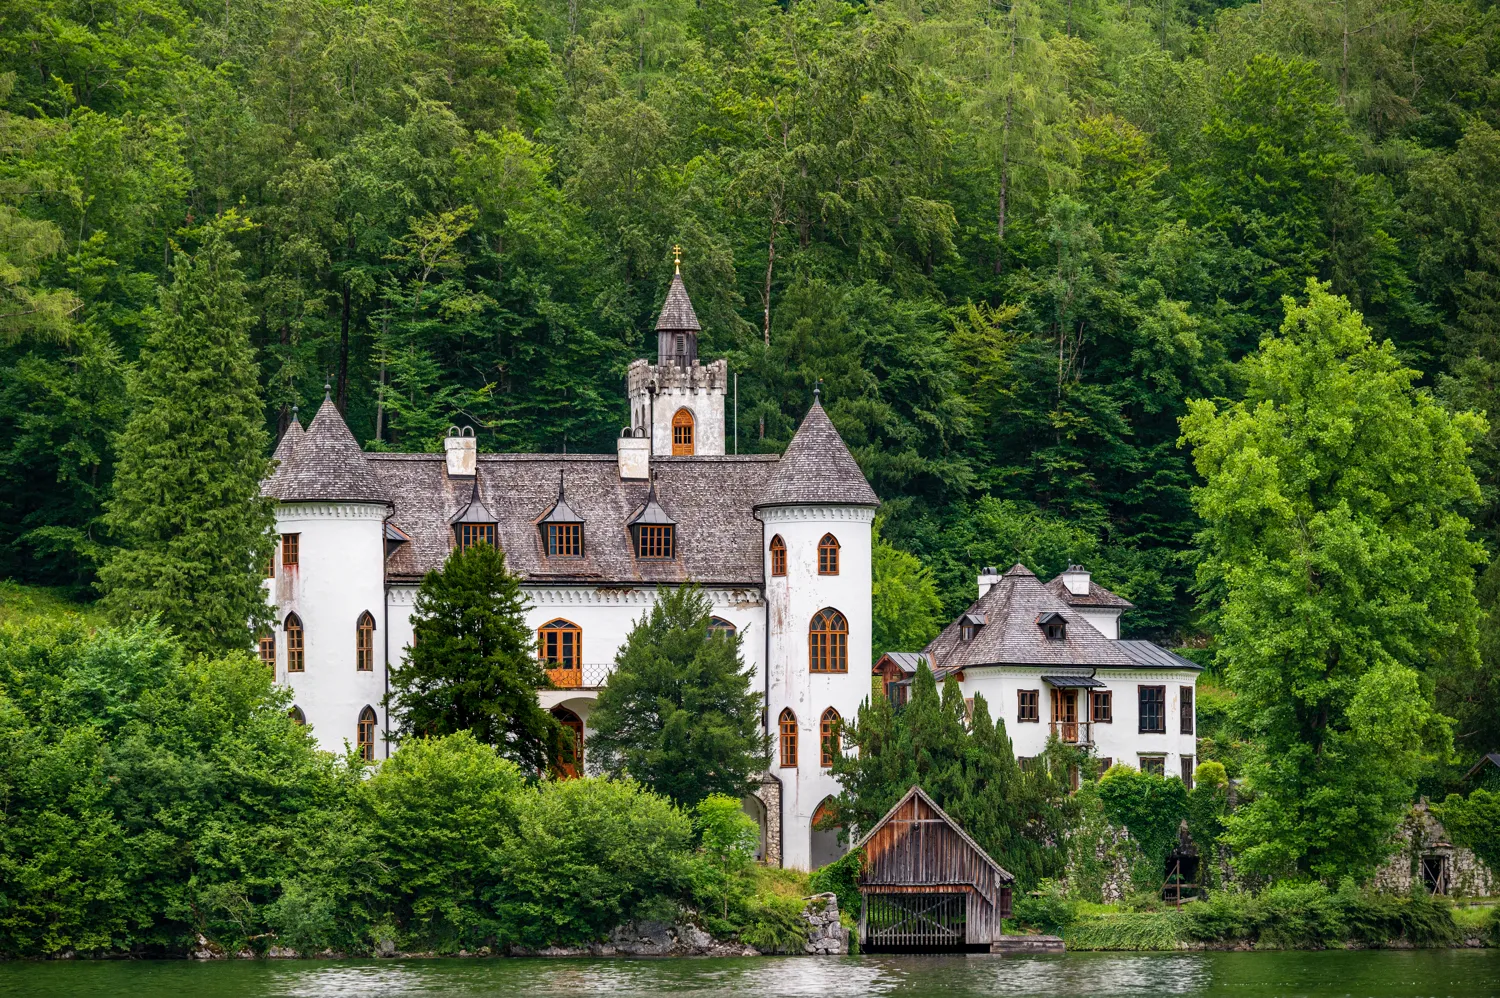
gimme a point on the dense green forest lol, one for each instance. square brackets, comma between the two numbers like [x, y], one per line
[1012, 240]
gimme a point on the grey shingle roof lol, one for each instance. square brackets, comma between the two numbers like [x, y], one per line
[1011, 635]
[1154, 656]
[677, 311]
[817, 469]
[324, 464]
[1097, 596]
[710, 498]
[560, 512]
[282, 455]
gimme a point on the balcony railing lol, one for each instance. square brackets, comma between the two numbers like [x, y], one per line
[588, 676]
[1074, 732]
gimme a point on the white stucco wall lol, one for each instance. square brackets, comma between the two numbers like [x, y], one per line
[340, 575]
[1120, 739]
[1106, 622]
[700, 389]
[791, 601]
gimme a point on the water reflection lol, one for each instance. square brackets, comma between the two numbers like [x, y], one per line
[1383, 974]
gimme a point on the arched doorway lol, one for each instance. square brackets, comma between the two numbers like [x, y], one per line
[756, 809]
[569, 762]
[824, 847]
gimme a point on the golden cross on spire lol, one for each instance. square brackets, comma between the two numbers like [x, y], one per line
[677, 259]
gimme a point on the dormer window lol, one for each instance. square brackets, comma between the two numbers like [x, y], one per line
[1053, 625]
[969, 625]
[562, 529]
[474, 524]
[653, 531]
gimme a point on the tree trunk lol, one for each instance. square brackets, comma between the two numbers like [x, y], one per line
[343, 395]
[770, 265]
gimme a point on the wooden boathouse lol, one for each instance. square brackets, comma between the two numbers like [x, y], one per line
[926, 885]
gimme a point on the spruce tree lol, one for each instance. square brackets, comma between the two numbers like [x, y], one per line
[678, 713]
[192, 532]
[472, 664]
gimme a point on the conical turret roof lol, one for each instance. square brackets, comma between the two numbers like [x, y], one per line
[677, 312]
[323, 464]
[282, 455]
[817, 469]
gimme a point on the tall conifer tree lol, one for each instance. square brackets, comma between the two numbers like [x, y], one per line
[193, 532]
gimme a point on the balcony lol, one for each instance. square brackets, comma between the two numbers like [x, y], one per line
[587, 676]
[1074, 732]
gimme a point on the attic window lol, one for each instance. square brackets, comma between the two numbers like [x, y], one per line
[653, 531]
[969, 625]
[470, 534]
[562, 529]
[1053, 625]
[474, 524]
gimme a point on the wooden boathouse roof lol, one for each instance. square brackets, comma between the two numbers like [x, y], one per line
[916, 845]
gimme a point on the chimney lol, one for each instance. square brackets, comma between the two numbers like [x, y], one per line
[458, 446]
[635, 455]
[988, 577]
[1076, 580]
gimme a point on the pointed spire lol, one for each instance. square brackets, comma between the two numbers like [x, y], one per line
[560, 512]
[677, 259]
[474, 511]
[817, 469]
[650, 511]
[325, 464]
[677, 313]
[328, 389]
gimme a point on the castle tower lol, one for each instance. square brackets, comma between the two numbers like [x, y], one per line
[817, 509]
[677, 402]
[328, 583]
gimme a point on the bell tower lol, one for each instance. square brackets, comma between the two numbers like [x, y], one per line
[678, 402]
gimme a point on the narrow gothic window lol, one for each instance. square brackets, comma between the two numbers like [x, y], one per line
[682, 433]
[788, 726]
[365, 734]
[364, 643]
[561, 645]
[828, 642]
[778, 555]
[296, 660]
[290, 549]
[568, 764]
[267, 646]
[828, 555]
[828, 733]
[653, 541]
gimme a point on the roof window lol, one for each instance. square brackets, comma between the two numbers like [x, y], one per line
[1053, 625]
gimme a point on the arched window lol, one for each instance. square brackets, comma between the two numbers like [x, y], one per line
[364, 643]
[778, 555]
[718, 625]
[569, 761]
[365, 734]
[788, 726]
[267, 648]
[823, 845]
[828, 733]
[828, 642]
[828, 555]
[682, 433]
[560, 643]
[296, 715]
[296, 657]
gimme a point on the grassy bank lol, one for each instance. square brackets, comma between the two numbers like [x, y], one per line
[24, 604]
[1318, 919]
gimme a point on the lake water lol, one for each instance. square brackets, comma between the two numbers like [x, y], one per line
[1367, 974]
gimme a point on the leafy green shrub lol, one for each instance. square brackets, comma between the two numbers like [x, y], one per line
[776, 925]
[1296, 915]
[1223, 916]
[842, 878]
[1151, 808]
[586, 856]
[1047, 908]
[1472, 822]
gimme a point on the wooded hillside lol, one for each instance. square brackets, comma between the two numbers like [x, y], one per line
[1012, 240]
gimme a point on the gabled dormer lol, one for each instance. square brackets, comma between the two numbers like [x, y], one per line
[1053, 624]
[561, 528]
[474, 523]
[653, 534]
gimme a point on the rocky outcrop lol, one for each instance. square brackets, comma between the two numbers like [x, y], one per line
[825, 936]
[648, 939]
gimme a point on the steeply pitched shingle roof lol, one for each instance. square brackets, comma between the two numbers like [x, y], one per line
[1097, 596]
[677, 311]
[1011, 636]
[817, 469]
[325, 464]
[710, 498]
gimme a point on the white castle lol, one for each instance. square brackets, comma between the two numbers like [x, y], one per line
[780, 545]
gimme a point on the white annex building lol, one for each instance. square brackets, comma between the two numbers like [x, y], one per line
[1048, 660]
[780, 545]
